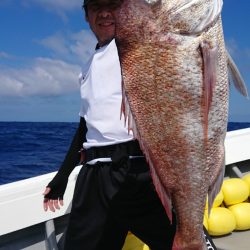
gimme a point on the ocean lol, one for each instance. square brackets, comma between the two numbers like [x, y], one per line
[28, 149]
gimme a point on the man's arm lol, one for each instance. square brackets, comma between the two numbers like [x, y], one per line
[56, 188]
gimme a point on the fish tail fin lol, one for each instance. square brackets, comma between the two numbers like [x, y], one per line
[236, 77]
[209, 56]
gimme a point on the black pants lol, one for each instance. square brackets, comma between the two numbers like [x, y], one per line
[110, 200]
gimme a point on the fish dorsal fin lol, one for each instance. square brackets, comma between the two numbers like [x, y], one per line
[236, 77]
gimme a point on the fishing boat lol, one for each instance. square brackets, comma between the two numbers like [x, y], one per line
[25, 225]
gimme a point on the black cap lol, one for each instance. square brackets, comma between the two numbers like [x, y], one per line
[84, 5]
[116, 3]
[86, 2]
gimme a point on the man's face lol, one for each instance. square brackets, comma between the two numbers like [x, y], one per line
[101, 18]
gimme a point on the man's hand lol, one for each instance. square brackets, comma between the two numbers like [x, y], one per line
[52, 204]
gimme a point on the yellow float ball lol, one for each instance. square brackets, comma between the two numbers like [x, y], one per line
[235, 190]
[246, 178]
[218, 199]
[241, 213]
[133, 243]
[221, 221]
[138, 248]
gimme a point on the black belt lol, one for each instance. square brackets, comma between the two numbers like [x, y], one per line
[130, 148]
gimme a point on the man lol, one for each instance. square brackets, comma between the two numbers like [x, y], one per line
[114, 192]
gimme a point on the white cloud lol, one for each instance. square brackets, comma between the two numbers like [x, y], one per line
[46, 77]
[56, 43]
[84, 44]
[72, 47]
[56, 5]
[60, 7]
[4, 55]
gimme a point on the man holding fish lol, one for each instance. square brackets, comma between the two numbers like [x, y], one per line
[115, 192]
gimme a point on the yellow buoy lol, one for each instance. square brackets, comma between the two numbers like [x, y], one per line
[221, 221]
[241, 213]
[235, 190]
[246, 178]
[133, 243]
[218, 199]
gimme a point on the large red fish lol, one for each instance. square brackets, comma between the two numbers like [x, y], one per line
[175, 96]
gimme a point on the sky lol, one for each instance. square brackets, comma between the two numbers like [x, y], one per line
[44, 43]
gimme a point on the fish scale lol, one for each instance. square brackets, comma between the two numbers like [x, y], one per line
[175, 98]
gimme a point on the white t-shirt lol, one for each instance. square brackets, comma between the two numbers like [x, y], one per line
[101, 97]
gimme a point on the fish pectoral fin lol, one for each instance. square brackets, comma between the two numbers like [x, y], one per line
[236, 77]
[209, 56]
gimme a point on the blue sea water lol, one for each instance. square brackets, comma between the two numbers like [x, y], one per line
[28, 149]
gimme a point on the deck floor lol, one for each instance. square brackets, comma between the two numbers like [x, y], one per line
[235, 241]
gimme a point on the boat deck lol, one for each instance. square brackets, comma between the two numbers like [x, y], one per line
[234, 241]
